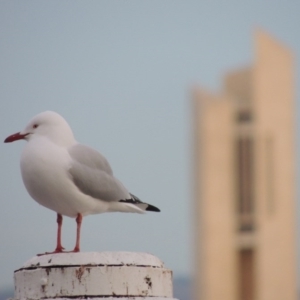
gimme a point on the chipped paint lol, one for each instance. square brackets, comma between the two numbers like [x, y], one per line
[148, 281]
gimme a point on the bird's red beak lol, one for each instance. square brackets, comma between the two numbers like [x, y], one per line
[15, 137]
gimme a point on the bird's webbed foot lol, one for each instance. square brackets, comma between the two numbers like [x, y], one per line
[57, 250]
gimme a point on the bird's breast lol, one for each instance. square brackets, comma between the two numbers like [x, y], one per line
[43, 168]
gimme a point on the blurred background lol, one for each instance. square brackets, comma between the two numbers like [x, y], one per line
[122, 74]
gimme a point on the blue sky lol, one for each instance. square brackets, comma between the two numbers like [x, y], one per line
[121, 73]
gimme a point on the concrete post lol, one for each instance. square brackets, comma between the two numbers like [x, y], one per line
[93, 275]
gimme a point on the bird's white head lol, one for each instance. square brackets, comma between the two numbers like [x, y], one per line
[47, 124]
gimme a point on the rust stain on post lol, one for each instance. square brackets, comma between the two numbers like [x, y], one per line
[80, 272]
[48, 270]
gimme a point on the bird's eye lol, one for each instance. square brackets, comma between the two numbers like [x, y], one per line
[35, 126]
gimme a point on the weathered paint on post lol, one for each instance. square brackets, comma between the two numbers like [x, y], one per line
[93, 275]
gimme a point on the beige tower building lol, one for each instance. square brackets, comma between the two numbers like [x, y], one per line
[245, 181]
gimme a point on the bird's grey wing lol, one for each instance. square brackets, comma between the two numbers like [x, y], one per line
[92, 175]
[88, 156]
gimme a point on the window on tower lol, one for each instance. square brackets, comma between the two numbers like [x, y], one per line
[245, 194]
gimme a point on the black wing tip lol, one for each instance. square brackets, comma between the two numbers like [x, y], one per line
[152, 208]
[136, 200]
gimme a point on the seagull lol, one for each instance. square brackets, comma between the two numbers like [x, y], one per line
[69, 178]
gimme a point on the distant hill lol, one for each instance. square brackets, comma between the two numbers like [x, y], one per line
[181, 286]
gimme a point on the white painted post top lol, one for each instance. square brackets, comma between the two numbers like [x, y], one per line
[93, 275]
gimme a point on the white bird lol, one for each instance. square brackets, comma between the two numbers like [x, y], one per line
[72, 179]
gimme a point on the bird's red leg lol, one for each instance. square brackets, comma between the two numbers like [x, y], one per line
[78, 221]
[59, 247]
